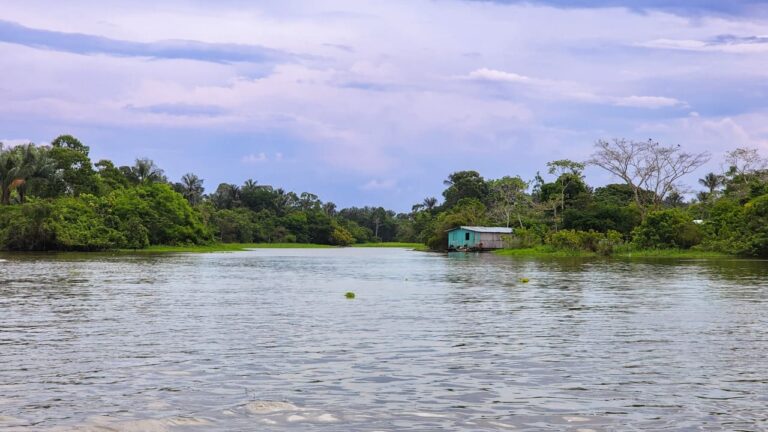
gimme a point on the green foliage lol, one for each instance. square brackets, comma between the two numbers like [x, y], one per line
[233, 225]
[78, 224]
[465, 185]
[341, 237]
[522, 238]
[565, 239]
[587, 241]
[54, 198]
[756, 217]
[602, 217]
[667, 229]
[468, 211]
[77, 175]
[725, 229]
[381, 223]
[26, 227]
[167, 216]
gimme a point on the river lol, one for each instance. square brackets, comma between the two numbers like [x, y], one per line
[266, 340]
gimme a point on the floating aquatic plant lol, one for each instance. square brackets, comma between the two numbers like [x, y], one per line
[524, 280]
[349, 295]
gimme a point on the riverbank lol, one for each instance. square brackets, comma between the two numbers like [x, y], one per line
[237, 247]
[544, 251]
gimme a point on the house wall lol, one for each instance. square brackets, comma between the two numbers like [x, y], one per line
[458, 238]
[490, 240]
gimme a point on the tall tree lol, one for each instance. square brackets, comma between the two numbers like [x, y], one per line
[430, 203]
[712, 181]
[35, 165]
[192, 188]
[227, 196]
[508, 198]
[568, 173]
[146, 171]
[77, 175]
[329, 209]
[11, 172]
[744, 163]
[646, 166]
[464, 184]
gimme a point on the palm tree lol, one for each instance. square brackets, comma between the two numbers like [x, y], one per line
[674, 199]
[17, 166]
[250, 184]
[329, 209]
[712, 181]
[430, 203]
[192, 188]
[35, 164]
[146, 171]
[10, 166]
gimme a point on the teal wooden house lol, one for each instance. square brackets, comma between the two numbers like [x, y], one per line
[477, 238]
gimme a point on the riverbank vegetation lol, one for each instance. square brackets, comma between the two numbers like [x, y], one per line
[54, 197]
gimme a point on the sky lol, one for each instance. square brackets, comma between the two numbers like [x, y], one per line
[376, 102]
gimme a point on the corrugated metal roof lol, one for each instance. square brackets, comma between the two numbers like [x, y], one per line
[499, 230]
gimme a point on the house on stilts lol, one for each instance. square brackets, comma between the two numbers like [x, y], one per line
[475, 238]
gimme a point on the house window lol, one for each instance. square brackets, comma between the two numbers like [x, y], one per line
[466, 236]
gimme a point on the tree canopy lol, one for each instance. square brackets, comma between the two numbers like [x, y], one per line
[54, 198]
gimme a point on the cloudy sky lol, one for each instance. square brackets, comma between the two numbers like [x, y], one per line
[375, 102]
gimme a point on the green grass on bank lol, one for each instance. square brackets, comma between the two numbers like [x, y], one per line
[416, 246]
[545, 251]
[236, 247]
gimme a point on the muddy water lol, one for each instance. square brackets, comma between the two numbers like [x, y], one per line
[266, 340]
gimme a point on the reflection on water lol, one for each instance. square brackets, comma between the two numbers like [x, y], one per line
[266, 340]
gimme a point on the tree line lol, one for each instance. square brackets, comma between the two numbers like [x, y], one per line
[55, 198]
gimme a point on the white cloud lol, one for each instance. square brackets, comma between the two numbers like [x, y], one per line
[704, 46]
[254, 158]
[562, 67]
[486, 74]
[647, 102]
[374, 185]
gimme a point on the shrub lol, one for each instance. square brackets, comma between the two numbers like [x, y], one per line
[565, 239]
[521, 239]
[667, 229]
[756, 214]
[341, 237]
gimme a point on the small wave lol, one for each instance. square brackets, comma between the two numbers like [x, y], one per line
[104, 423]
[267, 407]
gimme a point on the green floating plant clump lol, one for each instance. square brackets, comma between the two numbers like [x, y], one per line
[524, 280]
[349, 295]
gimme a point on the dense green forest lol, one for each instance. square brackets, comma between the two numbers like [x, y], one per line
[55, 197]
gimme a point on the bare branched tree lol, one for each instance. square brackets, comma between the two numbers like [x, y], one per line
[649, 168]
[744, 163]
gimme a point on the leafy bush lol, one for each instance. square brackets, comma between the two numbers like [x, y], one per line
[341, 237]
[78, 224]
[165, 214]
[756, 216]
[26, 227]
[565, 240]
[522, 238]
[667, 229]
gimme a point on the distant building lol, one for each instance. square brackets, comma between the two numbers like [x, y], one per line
[477, 238]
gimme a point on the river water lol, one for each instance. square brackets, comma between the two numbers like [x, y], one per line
[266, 340]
